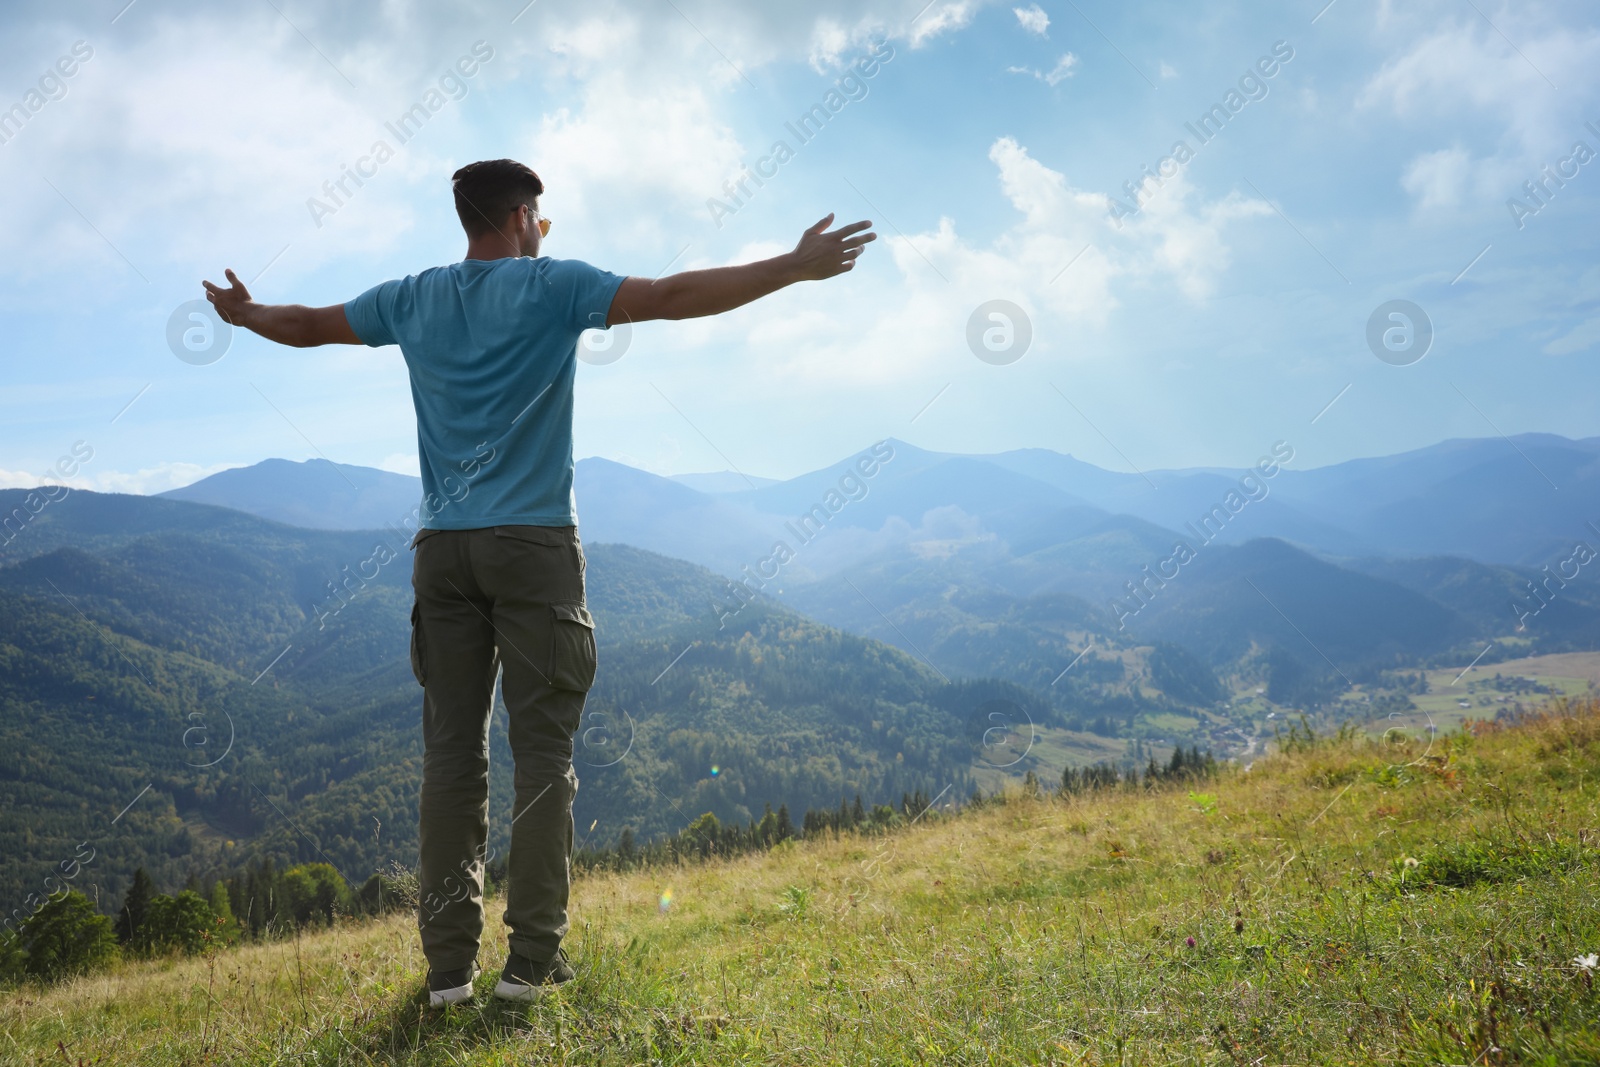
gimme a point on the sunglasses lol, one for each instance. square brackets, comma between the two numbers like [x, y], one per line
[544, 223]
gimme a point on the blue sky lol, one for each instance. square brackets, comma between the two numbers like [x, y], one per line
[1228, 312]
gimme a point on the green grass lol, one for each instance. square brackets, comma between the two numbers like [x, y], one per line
[1053, 750]
[1278, 921]
[1170, 722]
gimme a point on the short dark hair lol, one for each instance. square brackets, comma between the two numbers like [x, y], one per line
[490, 190]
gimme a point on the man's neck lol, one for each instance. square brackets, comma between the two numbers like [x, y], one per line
[493, 246]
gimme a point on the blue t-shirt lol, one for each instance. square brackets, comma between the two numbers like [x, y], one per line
[492, 350]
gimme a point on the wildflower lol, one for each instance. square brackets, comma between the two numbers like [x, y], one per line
[1411, 861]
[1587, 963]
[1190, 942]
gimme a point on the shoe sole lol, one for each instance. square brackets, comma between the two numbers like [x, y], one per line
[522, 992]
[439, 998]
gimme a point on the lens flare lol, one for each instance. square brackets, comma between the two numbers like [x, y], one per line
[715, 770]
[666, 900]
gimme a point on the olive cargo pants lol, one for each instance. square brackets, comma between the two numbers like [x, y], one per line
[505, 598]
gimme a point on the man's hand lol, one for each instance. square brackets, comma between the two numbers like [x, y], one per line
[820, 254]
[230, 302]
[287, 324]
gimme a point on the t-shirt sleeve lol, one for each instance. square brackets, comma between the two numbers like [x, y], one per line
[369, 315]
[582, 293]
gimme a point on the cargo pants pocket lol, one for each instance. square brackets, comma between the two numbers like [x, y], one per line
[419, 650]
[573, 656]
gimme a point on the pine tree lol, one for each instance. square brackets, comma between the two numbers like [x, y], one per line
[227, 926]
[260, 894]
[625, 847]
[785, 828]
[135, 907]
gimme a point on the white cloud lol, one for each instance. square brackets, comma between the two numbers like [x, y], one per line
[834, 46]
[945, 531]
[21, 479]
[202, 176]
[907, 326]
[1065, 68]
[829, 43]
[1467, 74]
[1033, 19]
[1168, 71]
[1580, 338]
[1436, 179]
[401, 463]
[149, 480]
[940, 18]
[666, 147]
[1186, 242]
[180, 153]
[1462, 65]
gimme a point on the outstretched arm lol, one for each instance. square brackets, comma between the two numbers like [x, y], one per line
[287, 324]
[691, 294]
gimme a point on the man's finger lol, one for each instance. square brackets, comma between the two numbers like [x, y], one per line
[232, 277]
[821, 224]
[854, 227]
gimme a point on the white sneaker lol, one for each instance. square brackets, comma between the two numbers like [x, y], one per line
[450, 987]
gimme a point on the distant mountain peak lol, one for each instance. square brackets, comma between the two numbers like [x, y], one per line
[315, 493]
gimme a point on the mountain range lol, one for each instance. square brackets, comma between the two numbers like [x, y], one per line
[1517, 501]
[217, 674]
[1465, 525]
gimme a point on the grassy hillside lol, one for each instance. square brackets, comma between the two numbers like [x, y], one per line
[1342, 900]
